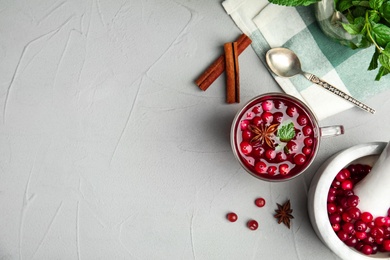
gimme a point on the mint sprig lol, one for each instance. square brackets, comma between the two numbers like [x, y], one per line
[286, 132]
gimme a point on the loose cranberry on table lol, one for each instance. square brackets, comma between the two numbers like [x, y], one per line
[232, 217]
[260, 202]
[361, 230]
[252, 224]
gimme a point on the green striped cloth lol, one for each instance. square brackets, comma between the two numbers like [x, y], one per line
[270, 25]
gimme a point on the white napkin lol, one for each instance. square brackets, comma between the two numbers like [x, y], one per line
[270, 25]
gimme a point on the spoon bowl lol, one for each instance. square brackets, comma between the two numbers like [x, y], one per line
[285, 63]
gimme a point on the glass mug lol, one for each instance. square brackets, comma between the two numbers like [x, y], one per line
[276, 137]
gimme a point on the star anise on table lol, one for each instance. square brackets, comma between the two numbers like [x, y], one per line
[263, 134]
[283, 213]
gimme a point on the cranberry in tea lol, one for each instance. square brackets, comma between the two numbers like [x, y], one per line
[275, 137]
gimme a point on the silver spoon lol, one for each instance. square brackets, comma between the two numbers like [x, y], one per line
[285, 63]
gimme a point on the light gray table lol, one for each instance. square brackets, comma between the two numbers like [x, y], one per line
[108, 150]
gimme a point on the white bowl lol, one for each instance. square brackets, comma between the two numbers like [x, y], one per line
[318, 194]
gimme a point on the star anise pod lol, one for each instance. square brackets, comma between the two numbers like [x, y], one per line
[263, 134]
[283, 213]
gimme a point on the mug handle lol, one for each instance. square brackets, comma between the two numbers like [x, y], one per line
[334, 130]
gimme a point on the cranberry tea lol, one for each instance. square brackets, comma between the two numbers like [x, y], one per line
[275, 137]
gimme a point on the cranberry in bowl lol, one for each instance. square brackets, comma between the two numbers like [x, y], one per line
[275, 136]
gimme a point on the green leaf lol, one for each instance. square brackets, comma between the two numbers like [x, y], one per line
[356, 27]
[344, 5]
[359, 11]
[382, 72]
[381, 34]
[374, 60]
[373, 16]
[384, 59]
[293, 2]
[286, 132]
[385, 11]
[376, 4]
[361, 3]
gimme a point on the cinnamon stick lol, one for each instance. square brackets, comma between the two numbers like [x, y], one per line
[218, 66]
[232, 72]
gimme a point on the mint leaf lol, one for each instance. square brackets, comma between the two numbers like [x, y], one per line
[356, 27]
[382, 72]
[384, 59]
[374, 60]
[376, 4]
[286, 132]
[344, 5]
[361, 3]
[385, 11]
[293, 2]
[381, 34]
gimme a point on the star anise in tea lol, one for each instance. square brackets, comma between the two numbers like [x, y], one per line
[263, 134]
[283, 213]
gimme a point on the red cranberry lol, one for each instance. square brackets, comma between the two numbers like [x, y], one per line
[306, 150]
[369, 239]
[256, 110]
[291, 111]
[354, 213]
[258, 151]
[260, 202]
[299, 159]
[246, 148]
[334, 218]
[267, 105]
[386, 245]
[360, 235]
[366, 217]
[331, 197]
[302, 120]
[360, 226]
[332, 208]
[343, 175]
[272, 170]
[270, 154]
[387, 221]
[247, 135]
[367, 249]
[281, 157]
[348, 227]
[342, 235]
[232, 217]
[284, 169]
[244, 124]
[352, 241]
[345, 217]
[308, 141]
[353, 200]
[371, 224]
[380, 221]
[267, 117]
[347, 185]
[257, 121]
[261, 167]
[307, 130]
[278, 117]
[291, 147]
[336, 227]
[377, 232]
[252, 224]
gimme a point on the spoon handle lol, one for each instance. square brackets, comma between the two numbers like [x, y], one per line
[334, 90]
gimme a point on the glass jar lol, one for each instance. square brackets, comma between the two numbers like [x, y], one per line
[330, 21]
